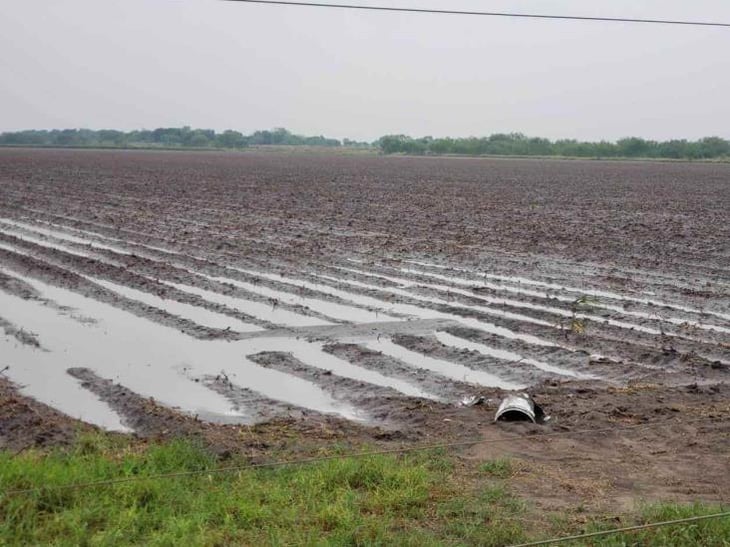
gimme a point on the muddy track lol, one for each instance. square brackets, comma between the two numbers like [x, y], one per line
[515, 370]
[340, 386]
[538, 307]
[378, 405]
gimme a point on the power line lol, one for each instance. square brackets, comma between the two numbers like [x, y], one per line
[282, 463]
[626, 529]
[486, 13]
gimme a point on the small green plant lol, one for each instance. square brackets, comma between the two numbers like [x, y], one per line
[500, 468]
[576, 324]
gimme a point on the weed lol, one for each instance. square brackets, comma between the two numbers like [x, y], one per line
[576, 324]
[500, 468]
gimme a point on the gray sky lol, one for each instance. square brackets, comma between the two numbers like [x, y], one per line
[129, 64]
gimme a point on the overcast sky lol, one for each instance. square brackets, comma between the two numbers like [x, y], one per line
[130, 64]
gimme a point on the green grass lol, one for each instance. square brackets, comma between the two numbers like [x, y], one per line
[428, 498]
[500, 468]
[708, 533]
[408, 500]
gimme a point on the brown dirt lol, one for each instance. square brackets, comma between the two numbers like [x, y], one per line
[682, 454]
[26, 423]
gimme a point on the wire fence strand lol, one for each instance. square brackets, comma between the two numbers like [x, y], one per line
[365, 7]
[638, 527]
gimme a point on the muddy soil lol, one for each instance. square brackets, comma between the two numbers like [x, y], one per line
[261, 409]
[26, 423]
[496, 252]
[682, 453]
[372, 359]
[382, 407]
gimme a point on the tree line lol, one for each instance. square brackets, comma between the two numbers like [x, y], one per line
[161, 137]
[501, 144]
[517, 144]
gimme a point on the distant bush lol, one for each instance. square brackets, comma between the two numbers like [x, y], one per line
[517, 144]
[161, 137]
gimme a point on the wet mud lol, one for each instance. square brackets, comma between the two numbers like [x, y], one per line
[364, 296]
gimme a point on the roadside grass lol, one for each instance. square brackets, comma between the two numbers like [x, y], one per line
[500, 468]
[708, 533]
[428, 498]
[418, 499]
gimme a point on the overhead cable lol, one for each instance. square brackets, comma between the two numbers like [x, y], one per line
[366, 7]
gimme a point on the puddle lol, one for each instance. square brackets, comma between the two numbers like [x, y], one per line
[426, 313]
[361, 300]
[143, 356]
[55, 388]
[44, 243]
[270, 383]
[330, 309]
[196, 314]
[259, 408]
[249, 307]
[259, 310]
[407, 286]
[558, 311]
[551, 310]
[444, 368]
[12, 249]
[188, 311]
[62, 235]
[312, 354]
[94, 235]
[462, 343]
[589, 292]
[520, 281]
[38, 373]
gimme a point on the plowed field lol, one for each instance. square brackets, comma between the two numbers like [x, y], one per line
[375, 293]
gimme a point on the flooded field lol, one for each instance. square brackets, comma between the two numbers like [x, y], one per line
[238, 288]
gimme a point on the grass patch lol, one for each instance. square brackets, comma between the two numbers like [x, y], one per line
[708, 533]
[427, 498]
[500, 469]
[408, 500]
